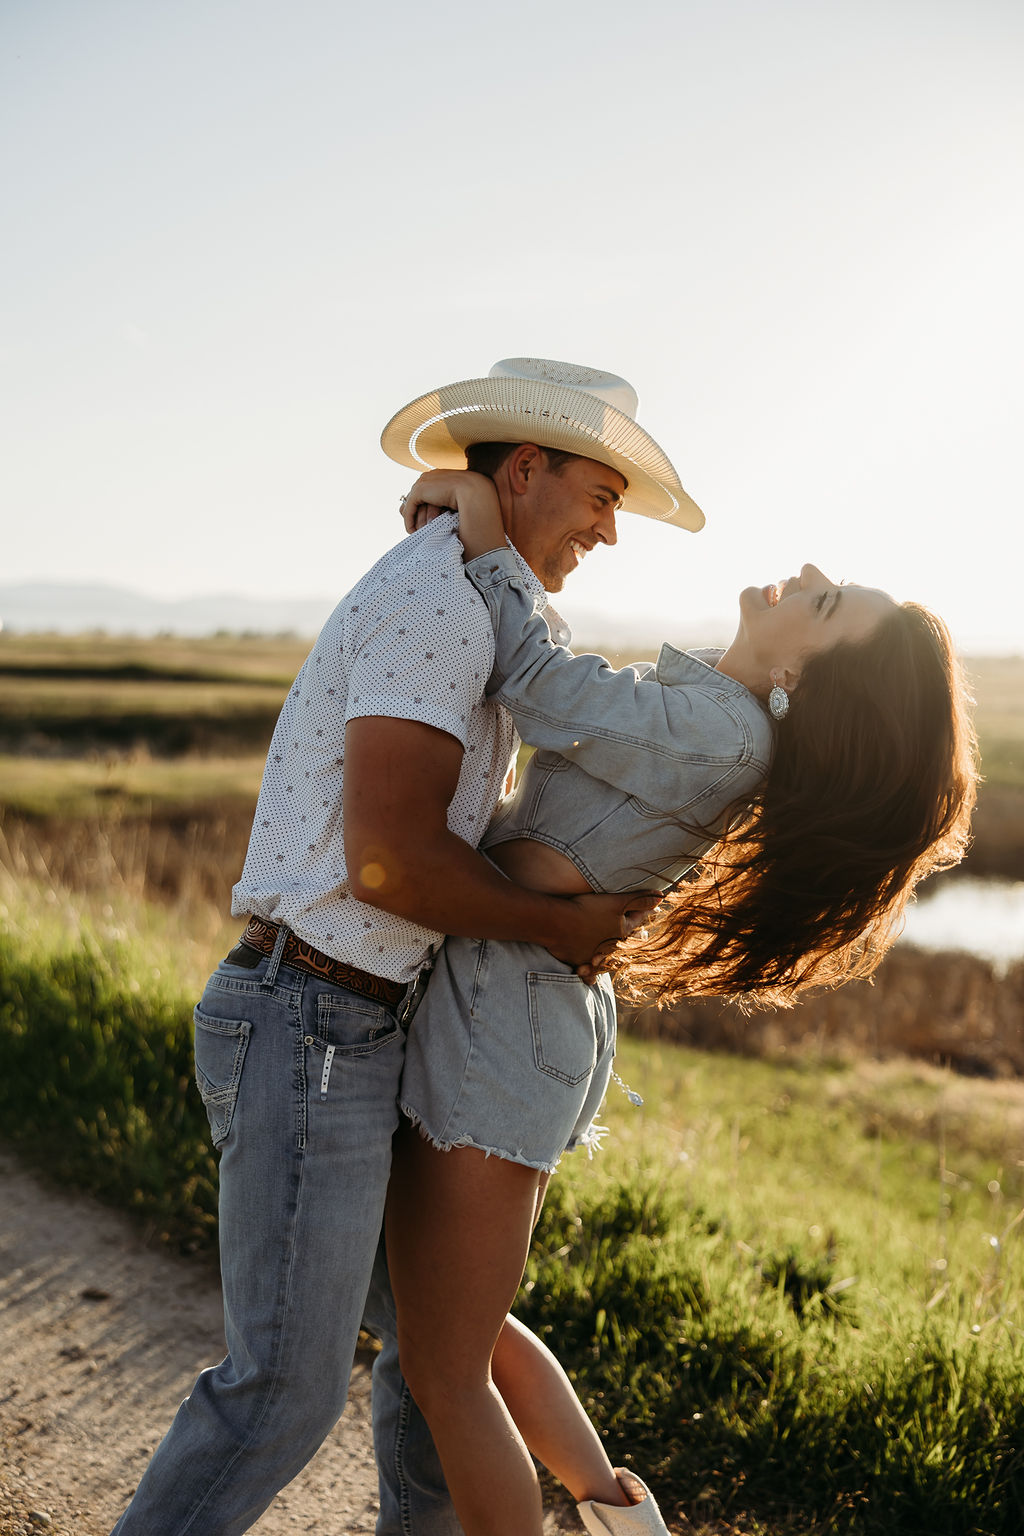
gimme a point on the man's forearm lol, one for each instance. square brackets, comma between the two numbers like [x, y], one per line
[445, 884]
[402, 856]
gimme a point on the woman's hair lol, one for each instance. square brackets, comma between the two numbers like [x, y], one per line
[871, 788]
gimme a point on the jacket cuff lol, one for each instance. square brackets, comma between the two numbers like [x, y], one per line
[491, 569]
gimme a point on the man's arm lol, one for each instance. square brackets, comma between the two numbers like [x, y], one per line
[400, 777]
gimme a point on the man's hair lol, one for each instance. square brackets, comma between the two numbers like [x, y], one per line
[487, 458]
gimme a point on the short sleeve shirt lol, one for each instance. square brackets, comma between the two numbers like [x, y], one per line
[411, 641]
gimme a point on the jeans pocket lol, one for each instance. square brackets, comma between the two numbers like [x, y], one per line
[354, 1026]
[563, 1024]
[220, 1046]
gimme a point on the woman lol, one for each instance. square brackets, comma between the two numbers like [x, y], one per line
[818, 768]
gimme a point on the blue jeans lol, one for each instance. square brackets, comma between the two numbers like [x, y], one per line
[299, 1078]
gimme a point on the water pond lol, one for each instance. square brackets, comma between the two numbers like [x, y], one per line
[984, 917]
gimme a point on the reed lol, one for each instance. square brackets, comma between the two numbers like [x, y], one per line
[948, 1008]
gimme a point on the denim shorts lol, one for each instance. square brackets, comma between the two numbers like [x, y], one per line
[509, 1052]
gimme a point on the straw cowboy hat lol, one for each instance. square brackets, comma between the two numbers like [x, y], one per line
[555, 405]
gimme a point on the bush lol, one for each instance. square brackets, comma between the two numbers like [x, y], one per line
[96, 1086]
[739, 1386]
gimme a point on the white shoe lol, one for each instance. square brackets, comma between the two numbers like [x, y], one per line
[642, 1519]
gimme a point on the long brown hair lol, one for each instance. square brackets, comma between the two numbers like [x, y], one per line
[871, 788]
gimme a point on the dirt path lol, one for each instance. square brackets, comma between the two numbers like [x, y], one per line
[100, 1338]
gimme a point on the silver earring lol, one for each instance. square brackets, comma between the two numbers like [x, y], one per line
[778, 703]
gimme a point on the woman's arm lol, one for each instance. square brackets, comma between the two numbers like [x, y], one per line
[668, 745]
[472, 496]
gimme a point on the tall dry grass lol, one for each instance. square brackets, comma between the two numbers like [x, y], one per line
[948, 1008]
[186, 859]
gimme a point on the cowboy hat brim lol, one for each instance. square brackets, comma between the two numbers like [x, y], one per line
[434, 431]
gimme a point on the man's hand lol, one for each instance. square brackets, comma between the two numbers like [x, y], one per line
[595, 924]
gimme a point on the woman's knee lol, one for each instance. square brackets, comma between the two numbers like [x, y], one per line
[438, 1369]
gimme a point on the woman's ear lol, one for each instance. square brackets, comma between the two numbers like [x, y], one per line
[784, 677]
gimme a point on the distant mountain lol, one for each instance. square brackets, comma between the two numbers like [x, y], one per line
[68, 608]
[71, 609]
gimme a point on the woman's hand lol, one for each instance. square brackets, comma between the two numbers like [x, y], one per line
[473, 497]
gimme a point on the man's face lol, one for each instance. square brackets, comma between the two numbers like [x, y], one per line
[562, 514]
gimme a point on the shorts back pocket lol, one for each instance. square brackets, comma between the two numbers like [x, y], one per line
[562, 1021]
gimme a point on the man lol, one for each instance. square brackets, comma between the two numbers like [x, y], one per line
[385, 766]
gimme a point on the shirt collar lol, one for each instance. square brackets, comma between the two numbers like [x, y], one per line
[559, 630]
[532, 582]
[698, 666]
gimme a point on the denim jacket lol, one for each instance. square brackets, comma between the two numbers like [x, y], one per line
[634, 768]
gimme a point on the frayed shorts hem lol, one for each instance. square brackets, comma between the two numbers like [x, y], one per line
[591, 1139]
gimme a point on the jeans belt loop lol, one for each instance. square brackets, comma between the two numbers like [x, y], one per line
[270, 975]
[414, 997]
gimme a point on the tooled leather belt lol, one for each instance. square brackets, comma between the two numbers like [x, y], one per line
[261, 936]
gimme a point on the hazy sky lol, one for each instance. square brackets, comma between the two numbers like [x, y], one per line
[239, 234]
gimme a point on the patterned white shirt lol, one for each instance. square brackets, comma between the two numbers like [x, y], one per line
[412, 641]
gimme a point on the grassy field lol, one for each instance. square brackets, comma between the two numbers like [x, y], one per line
[255, 658]
[790, 1287]
[107, 786]
[111, 729]
[790, 1290]
[104, 692]
[95, 807]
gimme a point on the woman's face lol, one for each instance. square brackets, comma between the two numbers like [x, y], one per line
[781, 625]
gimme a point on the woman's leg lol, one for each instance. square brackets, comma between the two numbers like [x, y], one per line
[458, 1232]
[550, 1417]
[459, 1227]
[547, 1412]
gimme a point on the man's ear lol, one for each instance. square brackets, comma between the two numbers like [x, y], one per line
[522, 465]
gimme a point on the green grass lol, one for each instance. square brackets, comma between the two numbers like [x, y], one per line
[28, 698]
[263, 658]
[796, 1291]
[41, 717]
[82, 684]
[99, 727]
[998, 684]
[95, 1056]
[61, 695]
[791, 1295]
[105, 786]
